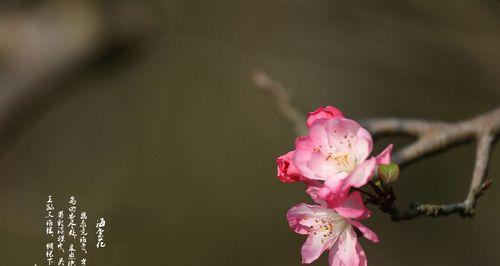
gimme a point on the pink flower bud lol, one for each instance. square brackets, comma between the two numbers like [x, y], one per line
[287, 172]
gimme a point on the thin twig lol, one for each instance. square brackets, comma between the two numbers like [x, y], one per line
[282, 100]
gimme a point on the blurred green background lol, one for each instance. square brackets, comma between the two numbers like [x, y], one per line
[172, 143]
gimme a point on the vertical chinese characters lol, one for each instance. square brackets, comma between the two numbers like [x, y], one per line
[71, 255]
[60, 231]
[101, 223]
[71, 217]
[49, 224]
[66, 233]
[83, 232]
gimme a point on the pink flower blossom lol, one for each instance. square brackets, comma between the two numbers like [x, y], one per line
[332, 229]
[331, 160]
[337, 151]
[287, 172]
[323, 112]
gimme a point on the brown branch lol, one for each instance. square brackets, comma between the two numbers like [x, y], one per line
[432, 137]
[436, 137]
[282, 101]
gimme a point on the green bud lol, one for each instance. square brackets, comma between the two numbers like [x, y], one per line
[388, 172]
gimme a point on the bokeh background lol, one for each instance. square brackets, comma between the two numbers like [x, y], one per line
[145, 111]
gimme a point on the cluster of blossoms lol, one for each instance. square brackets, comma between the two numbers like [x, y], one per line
[333, 160]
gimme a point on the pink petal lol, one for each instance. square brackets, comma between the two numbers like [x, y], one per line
[362, 148]
[303, 154]
[314, 247]
[367, 232]
[361, 255]
[344, 251]
[385, 156]
[323, 112]
[318, 134]
[353, 207]
[346, 135]
[287, 172]
[303, 143]
[302, 216]
[362, 173]
[334, 191]
[321, 167]
[350, 132]
[311, 163]
[313, 193]
[295, 215]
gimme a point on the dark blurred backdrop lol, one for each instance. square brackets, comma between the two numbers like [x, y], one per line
[159, 128]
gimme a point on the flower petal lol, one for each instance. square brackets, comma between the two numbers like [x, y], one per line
[287, 172]
[318, 133]
[346, 135]
[363, 145]
[295, 215]
[362, 173]
[302, 217]
[334, 191]
[304, 153]
[385, 156]
[344, 252]
[323, 112]
[367, 232]
[353, 207]
[312, 163]
[335, 261]
[313, 193]
[314, 246]
[361, 255]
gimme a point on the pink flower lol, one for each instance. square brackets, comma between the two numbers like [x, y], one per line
[331, 160]
[337, 151]
[332, 229]
[323, 112]
[287, 172]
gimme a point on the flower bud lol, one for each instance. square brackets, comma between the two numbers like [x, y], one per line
[388, 172]
[287, 172]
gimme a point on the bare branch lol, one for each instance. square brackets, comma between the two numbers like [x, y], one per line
[438, 136]
[282, 100]
[435, 136]
[432, 136]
